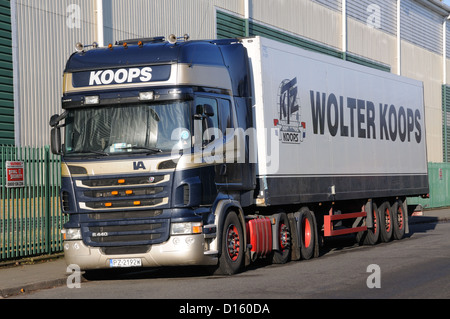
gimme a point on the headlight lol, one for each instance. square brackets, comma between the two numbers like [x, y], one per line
[186, 228]
[71, 233]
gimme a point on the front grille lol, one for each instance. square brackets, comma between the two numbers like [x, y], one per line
[124, 192]
[126, 232]
[106, 193]
[125, 250]
[126, 181]
[124, 211]
[139, 214]
[125, 203]
[126, 238]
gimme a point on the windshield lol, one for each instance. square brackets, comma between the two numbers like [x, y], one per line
[128, 128]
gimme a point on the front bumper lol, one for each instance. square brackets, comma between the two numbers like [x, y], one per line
[182, 250]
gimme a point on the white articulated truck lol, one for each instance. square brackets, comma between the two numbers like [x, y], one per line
[219, 152]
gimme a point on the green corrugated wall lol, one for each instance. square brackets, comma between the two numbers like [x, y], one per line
[6, 76]
[439, 179]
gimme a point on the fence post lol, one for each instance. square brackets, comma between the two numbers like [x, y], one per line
[47, 199]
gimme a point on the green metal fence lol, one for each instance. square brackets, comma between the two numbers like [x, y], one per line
[30, 216]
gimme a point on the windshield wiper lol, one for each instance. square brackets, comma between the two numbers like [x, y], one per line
[151, 149]
[89, 152]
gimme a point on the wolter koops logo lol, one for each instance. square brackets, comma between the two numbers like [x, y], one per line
[291, 129]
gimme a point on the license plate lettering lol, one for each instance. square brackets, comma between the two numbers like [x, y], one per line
[125, 263]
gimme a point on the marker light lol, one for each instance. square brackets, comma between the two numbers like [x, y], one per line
[79, 47]
[137, 203]
[92, 100]
[121, 181]
[108, 204]
[129, 192]
[172, 39]
[114, 193]
[146, 96]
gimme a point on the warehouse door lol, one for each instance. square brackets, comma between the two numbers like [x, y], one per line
[6, 76]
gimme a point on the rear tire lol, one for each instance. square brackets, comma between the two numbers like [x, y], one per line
[386, 225]
[371, 235]
[232, 254]
[283, 255]
[398, 220]
[307, 234]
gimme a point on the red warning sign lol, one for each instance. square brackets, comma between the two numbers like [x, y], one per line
[15, 176]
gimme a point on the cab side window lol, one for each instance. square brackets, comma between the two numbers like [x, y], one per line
[208, 117]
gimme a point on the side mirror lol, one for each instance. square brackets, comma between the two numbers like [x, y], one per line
[203, 110]
[208, 110]
[56, 141]
[54, 120]
[55, 134]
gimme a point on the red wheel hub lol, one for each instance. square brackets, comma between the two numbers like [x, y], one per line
[306, 232]
[233, 242]
[284, 237]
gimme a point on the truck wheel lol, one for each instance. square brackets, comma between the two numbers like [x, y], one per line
[398, 220]
[386, 225]
[306, 226]
[371, 235]
[232, 255]
[282, 255]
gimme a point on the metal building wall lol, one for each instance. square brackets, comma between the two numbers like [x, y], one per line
[421, 26]
[163, 17]
[47, 31]
[6, 76]
[364, 10]
[307, 18]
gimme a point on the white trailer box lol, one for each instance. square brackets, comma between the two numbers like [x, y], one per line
[328, 129]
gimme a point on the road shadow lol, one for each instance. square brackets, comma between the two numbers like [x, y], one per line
[421, 224]
[417, 224]
[146, 273]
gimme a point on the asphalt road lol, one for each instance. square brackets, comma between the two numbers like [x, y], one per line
[416, 267]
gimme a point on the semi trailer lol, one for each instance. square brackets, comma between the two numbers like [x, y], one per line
[221, 152]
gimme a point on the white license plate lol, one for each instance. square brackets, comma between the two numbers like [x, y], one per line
[125, 262]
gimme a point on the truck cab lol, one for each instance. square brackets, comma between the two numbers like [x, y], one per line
[148, 150]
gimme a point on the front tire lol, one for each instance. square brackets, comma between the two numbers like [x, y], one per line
[232, 254]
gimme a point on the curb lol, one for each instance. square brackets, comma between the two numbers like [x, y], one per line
[8, 292]
[29, 260]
